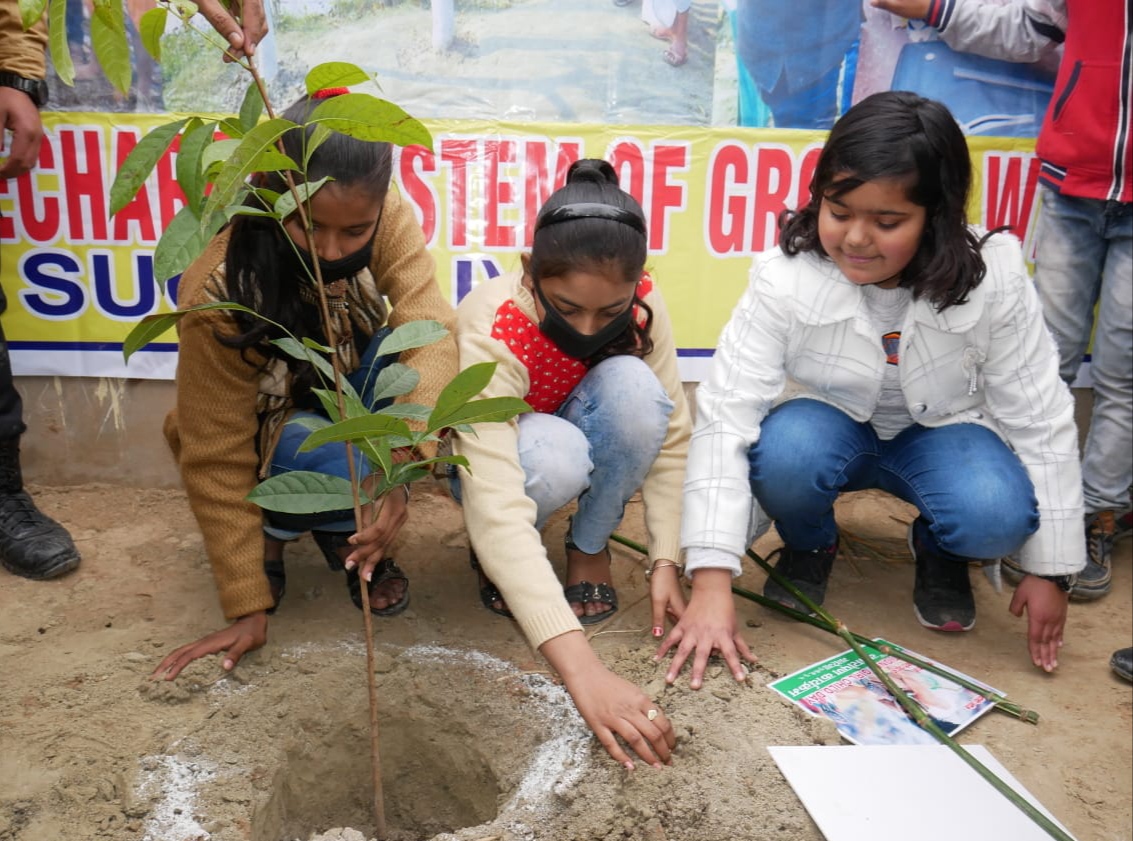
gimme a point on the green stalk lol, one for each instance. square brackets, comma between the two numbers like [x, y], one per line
[824, 620]
[914, 709]
[831, 627]
[1000, 702]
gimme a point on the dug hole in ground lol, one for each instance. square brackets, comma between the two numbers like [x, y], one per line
[478, 739]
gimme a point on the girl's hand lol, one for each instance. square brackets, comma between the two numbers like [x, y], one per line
[708, 625]
[374, 541]
[245, 634]
[611, 705]
[666, 595]
[1046, 606]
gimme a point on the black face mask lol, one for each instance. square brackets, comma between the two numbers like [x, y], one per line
[573, 343]
[299, 261]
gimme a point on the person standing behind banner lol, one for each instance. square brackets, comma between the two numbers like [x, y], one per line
[1084, 235]
[33, 545]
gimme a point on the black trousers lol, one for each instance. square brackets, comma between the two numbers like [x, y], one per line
[11, 406]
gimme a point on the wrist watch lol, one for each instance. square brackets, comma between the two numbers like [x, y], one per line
[1062, 582]
[34, 88]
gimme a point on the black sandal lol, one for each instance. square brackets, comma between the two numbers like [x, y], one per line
[489, 593]
[585, 592]
[386, 570]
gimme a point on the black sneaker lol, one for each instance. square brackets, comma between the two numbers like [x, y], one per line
[1094, 581]
[942, 595]
[1122, 663]
[809, 571]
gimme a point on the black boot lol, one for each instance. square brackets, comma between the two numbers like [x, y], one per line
[32, 545]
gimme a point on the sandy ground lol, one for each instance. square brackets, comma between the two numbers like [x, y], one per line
[478, 740]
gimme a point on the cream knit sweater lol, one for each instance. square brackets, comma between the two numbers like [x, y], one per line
[499, 515]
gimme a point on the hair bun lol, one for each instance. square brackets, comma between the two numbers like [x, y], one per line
[593, 170]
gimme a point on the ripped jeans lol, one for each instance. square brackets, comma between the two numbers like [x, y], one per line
[597, 448]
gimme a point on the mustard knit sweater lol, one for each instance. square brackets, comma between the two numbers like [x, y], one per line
[215, 429]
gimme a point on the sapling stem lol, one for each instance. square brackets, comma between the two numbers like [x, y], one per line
[355, 485]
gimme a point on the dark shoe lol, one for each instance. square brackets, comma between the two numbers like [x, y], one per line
[489, 594]
[942, 594]
[32, 545]
[330, 542]
[586, 592]
[386, 570]
[1122, 663]
[807, 570]
[1094, 581]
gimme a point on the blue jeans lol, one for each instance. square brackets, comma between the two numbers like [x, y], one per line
[597, 448]
[329, 458]
[1085, 257]
[970, 488]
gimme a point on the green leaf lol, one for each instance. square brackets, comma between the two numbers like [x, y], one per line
[355, 408]
[462, 388]
[147, 330]
[366, 117]
[296, 350]
[111, 46]
[252, 107]
[285, 204]
[242, 163]
[152, 326]
[412, 334]
[351, 429]
[266, 196]
[319, 346]
[395, 380]
[303, 492]
[232, 128]
[489, 410]
[316, 138]
[309, 422]
[151, 28]
[140, 163]
[407, 411]
[218, 151]
[56, 36]
[335, 74]
[245, 210]
[30, 13]
[190, 173]
[180, 244]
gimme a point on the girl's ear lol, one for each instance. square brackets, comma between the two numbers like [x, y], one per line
[525, 261]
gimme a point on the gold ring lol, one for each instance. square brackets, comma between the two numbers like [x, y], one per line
[652, 714]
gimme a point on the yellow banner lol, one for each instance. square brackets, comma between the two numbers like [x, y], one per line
[77, 280]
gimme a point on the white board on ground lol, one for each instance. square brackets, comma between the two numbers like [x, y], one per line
[926, 792]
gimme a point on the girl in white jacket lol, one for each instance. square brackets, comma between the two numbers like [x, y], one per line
[918, 364]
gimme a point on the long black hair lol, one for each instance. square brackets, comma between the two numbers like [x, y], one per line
[259, 268]
[903, 136]
[596, 244]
